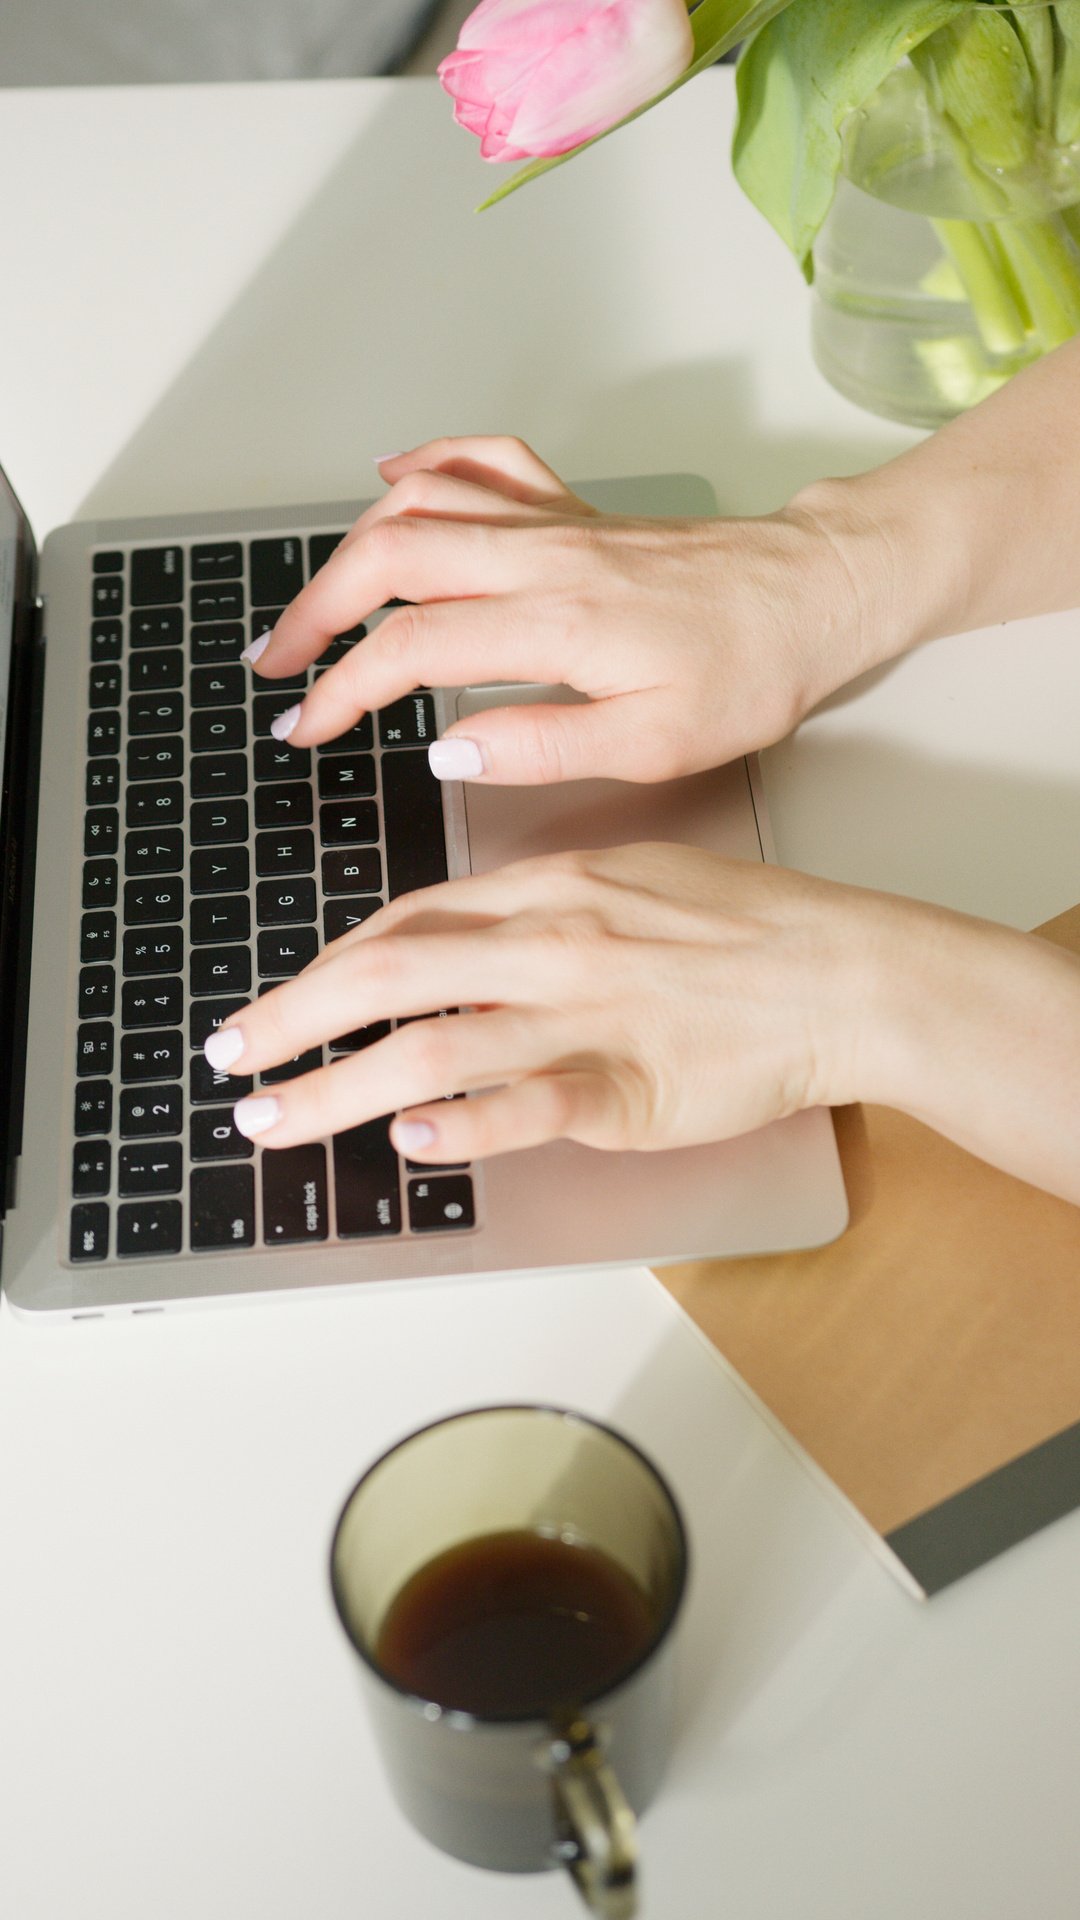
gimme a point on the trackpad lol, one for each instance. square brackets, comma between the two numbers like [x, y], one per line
[713, 809]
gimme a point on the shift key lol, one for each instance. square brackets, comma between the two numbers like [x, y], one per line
[294, 1195]
[367, 1181]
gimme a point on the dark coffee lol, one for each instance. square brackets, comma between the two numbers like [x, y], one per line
[514, 1625]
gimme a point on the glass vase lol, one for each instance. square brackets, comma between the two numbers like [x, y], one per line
[950, 256]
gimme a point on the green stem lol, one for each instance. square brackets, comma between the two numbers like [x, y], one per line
[986, 277]
[1046, 261]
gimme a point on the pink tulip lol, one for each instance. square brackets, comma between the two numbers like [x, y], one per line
[534, 77]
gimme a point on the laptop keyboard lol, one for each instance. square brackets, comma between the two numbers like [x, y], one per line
[217, 862]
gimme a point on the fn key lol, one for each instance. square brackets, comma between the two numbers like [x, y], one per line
[294, 1195]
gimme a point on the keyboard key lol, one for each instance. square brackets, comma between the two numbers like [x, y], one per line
[97, 937]
[287, 805]
[101, 830]
[91, 1169]
[342, 644]
[105, 685]
[106, 640]
[156, 713]
[93, 1107]
[151, 1003]
[111, 561]
[415, 836]
[293, 1069]
[149, 1227]
[102, 734]
[99, 883]
[151, 1056]
[102, 782]
[358, 739]
[214, 1137]
[220, 970]
[355, 870]
[157, 576]
[276, 760]
[217, 560]
[294, 1195]
[409, 722]
[158, 852]
[349, 822]
[218, 774]
[153, 950]
[292, 683]
[213, 644]
[107, 596]
[208, 1086]
[276, 570]
[150, 1110]
[267, 706]
[367, 1187]
[157, 803]
[89, 1232]
[207, 1016]
[221, 602]
[278, 853]
[220, 870]
[360, 1037]
[161, 757]
[438, 1204]
[283, 954]
[147, 902]
[280, 903]
[218, 687]
[94, 1048]
[97, 993]
[320, 547]
[341, 776]
[156, 1167]
[159, 627]
[220, 916]
[216, 822]
[216, 728]
[222, 1208]
[340, 916]
[155, 672]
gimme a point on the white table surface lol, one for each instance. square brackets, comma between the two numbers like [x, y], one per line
[227, 296]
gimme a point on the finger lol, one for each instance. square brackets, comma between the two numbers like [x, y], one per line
[505, 464]
[537, 745]
[439, 494]
[539, 1108]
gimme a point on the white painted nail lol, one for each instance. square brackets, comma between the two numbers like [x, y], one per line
[256, 1113]
[380, 459]
[223, 1047]
[412, 1135]
[256, 650]
[285, 722]
[455, 759]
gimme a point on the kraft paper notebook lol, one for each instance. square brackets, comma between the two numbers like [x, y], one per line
[928, 1360]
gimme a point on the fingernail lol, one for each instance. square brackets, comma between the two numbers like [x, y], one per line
[381, 458]
[257, 649]
[412, 1135]
[455, 759]
[223, 1047]
[285, 722]
[256, 1113]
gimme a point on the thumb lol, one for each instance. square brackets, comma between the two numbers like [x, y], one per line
[532, 746]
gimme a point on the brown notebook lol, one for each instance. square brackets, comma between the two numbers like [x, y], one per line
[929, 1359]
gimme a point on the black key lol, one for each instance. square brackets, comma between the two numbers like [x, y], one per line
[276, 760]
[220, 870]
[415, 836]
[151, 1003]
[340, 915]
[156, 1167]
[157, 576]
[217, 560]
[277, 853]
[102, 782]
[360, 1037]
[320, 547]
[208, 1086]
[282, 954]
[348, 822]
[216, 822]
[409, 722]
[284, 903]
[156, 672]
[111, 561]
[89, 1232]
[220, 970]
[288, 805]
[215, 729]
[155, 804]
[359, 738]
[99, 882]
[97, 937]
[161, 851]
[147, 902]
[292, 1069]
[107, 596]
[277, 571]
[149, 1227]
[161, 757]
[156, 713]
[94, 1048]
[205, 1018]
[217, 774]
[159, 627]
[267, 706]
[218, 687]
[342, 644]
[341, 776]
[97, 993]
[91, 1169]
[366, 1182]
[153, 949]
[93, 1107]
[101, 830]
[352, 870]
[436, 1205]
[220, 916]
[151, 1056]
[150, 1110]
[106, 640]
[211, 645]
[214, 1137]
[222, 1208]
[105, 685]
[222, 602]
[294, 1195]
[102, 734]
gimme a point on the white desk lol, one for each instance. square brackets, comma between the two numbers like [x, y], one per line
[225, 296]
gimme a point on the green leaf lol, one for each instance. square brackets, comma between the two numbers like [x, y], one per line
[1067, 76]
[798, 80]
[717, 26]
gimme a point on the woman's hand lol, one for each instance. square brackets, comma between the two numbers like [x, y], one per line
[695, 640]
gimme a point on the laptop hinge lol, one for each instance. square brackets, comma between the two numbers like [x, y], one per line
[23, 766]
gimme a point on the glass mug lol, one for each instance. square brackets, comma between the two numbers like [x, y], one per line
[510, 1577]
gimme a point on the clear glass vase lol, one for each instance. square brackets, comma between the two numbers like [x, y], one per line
[950, 256]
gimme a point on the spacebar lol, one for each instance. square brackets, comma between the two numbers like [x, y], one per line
[413, 815]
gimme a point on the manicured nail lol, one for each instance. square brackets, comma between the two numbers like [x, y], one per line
[413, 1135]
[223, 1047]
[285, 722]
[256, 650]
[380, 459]
[256, 1113]
[455, 759]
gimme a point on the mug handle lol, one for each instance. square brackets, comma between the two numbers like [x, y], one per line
[597, 1829]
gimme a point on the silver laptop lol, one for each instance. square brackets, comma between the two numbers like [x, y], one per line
[165, 858]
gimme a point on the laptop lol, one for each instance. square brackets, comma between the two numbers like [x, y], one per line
[165, 858]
